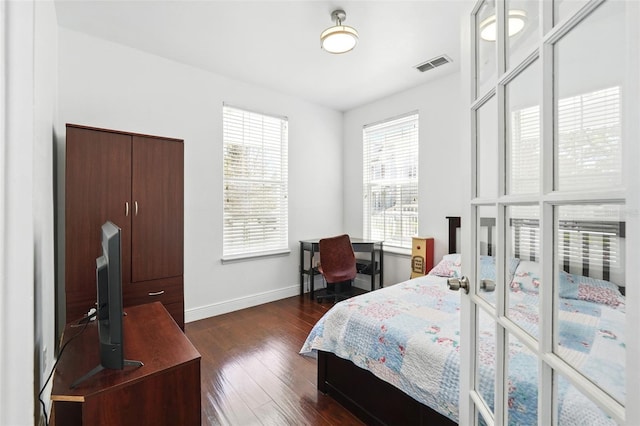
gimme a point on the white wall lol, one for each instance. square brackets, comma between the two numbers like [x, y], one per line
[17, 322]
[440, 106]
[29, 72]
[103, 84]
[45, 115]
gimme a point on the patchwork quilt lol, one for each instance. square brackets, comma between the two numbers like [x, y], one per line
[408, 335]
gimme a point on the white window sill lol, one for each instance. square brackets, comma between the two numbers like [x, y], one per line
[253, 256]
[397, 251]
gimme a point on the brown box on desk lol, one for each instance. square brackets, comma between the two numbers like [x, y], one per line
[421, 256]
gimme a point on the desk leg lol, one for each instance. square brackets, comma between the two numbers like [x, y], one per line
[312, 277]
[373, 267]
[301, 266]
[381, 255]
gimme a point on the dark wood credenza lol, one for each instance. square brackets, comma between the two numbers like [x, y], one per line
[164, 391]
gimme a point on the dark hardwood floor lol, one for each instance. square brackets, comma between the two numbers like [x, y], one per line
[252, 373]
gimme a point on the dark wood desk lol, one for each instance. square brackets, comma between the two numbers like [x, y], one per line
[164, 391]
[375, 268]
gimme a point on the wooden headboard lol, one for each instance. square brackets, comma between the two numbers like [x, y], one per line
[454, 225]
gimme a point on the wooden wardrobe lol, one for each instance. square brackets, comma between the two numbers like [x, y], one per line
[137, 182]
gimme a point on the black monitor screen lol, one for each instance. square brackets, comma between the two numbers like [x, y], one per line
[109, 289]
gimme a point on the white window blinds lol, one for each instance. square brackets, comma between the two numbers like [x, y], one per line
[589, 140]
[525, 152]
[255, 183]
[390, 180]
[589, 147]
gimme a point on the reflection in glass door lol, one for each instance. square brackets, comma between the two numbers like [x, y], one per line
[552, 222]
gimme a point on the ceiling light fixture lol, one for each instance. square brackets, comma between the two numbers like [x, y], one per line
[339, 38]
[517, 21]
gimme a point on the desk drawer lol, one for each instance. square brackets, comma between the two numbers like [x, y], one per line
[167, 291]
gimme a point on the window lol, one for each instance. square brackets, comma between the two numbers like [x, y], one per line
[390, 180]
[255, 183]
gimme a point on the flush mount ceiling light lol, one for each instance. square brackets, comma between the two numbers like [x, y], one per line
[339, 38]
[517, 20]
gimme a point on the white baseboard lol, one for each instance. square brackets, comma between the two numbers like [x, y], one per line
[227, 306]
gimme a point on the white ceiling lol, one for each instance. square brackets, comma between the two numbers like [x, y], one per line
[275, 44]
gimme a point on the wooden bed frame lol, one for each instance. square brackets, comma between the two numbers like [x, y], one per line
[371, 399]
[377, 402]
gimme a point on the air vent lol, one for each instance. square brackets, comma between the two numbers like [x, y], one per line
[432, 63]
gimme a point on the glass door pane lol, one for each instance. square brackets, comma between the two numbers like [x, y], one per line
[522, 384]
[589, 286]
[523, 273]
[523, 131]
[588, 101]
[565, 8]
[522, 27]
[485, 373]
[486, 48]
[487, 148]
[573, 407]
[487, 242]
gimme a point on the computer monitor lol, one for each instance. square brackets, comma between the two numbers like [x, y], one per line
[109, 292]
[109, 309]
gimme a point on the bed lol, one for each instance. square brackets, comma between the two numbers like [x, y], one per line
[391, 356]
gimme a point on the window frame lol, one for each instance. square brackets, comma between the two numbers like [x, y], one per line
[405, 155]
[255, 137]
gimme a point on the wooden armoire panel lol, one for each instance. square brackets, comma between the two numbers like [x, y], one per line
[135, 181]
[157, 194]
[98, 186]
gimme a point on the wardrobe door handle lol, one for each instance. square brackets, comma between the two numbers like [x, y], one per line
[156, 293]
[136, 207]
[126, 208]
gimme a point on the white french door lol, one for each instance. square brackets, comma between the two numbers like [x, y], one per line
[554, 216]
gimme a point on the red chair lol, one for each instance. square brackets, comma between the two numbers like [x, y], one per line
[337, 266]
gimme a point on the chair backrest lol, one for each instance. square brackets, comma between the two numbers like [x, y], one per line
[337, 260]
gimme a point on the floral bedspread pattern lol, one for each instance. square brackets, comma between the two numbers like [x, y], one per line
[408, 335]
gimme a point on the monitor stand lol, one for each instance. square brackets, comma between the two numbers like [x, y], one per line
[99, 368]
